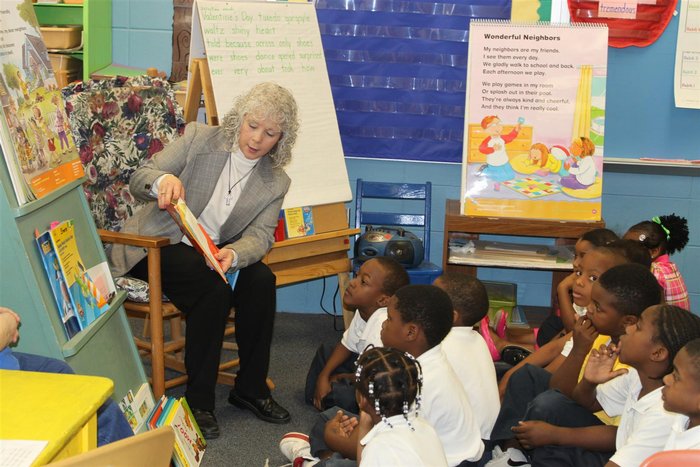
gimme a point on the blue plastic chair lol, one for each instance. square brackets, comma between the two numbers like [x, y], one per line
[406, 197]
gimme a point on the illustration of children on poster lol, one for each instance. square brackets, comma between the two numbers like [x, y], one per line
[32, 108]
[534, 126]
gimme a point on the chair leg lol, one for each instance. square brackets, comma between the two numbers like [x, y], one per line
[156, 315]
[343, 282]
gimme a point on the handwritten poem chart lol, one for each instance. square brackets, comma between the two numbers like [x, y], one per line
[260, 39]
[251, 42]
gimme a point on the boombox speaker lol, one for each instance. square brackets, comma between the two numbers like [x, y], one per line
[402, 245]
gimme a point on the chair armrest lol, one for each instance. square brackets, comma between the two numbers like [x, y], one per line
[144, 241]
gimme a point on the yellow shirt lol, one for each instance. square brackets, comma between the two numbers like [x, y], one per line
[553, 164]
[603, 340]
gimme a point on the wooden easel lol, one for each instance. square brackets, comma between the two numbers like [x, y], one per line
[200, 82]
[298, 259]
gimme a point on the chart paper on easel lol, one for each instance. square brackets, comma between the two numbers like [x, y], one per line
[250, 42]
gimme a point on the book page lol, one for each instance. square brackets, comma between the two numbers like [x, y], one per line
[200, 240]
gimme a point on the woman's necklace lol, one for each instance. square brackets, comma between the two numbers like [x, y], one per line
[228, 197]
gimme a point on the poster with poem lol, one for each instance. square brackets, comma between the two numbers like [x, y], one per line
[249, 42]
[535, 120]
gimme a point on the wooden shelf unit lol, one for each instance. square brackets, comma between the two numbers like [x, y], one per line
[563, 232]
[95, 16]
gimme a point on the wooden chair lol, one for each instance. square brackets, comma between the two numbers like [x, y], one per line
[117, 124]
[150, 449]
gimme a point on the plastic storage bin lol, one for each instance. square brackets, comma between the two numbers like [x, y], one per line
[62, 37]
[66, 68]
[65, 62]
[502, 296]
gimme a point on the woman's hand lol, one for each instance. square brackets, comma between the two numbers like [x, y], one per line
[170, 189]
[225, 256]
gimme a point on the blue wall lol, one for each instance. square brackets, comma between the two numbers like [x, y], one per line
[143, 36]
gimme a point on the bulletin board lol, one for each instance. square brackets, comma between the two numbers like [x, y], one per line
[642, 120]
[430, 57]
[250, 42]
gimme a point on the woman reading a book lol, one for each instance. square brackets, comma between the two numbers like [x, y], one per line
[232, 179]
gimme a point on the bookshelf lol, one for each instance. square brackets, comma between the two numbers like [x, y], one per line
[95, 16]
[463, 228]
[106, 347]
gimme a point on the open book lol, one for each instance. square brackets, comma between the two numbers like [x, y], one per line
[196, 234]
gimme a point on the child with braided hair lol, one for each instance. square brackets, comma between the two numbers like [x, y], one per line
[418, 319]
[649, 347]
[391, 430]
[663, 236]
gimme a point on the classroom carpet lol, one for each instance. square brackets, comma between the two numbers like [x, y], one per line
[246, 441]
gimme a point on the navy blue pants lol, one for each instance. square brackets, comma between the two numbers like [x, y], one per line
[342, 392]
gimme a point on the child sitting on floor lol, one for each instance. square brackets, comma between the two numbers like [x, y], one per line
[567, 433]
[330, 377]
[390, 429]
[563, 318]
[618, 298]
[466, 350]
[594, 262]
[663, 236]
[681, 394]
[418, 319]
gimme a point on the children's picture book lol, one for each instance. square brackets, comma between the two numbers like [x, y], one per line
[137, 407]
[196, 234]
[299, 221]
[36, 138]
[87, 300]
[59, 288]
[156, 412]
[535, 120]
[189, 443]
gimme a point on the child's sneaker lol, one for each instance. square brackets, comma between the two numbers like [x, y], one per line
[295, 447]
[511, 457]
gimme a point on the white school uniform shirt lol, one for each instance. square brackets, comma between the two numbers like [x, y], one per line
[446, 406]
[361, 333]
[398, 444]
[466, 351]
[644, 423]
[681, 437]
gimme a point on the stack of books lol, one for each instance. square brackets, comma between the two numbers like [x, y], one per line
[189, 442]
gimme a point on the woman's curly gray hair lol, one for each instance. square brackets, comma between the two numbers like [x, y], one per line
[267, 101]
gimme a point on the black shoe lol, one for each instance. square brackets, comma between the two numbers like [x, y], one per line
[265, 409]
[514, 354]
[207, 423]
